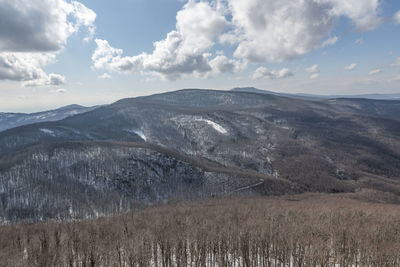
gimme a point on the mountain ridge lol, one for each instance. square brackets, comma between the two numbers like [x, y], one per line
[393, 96]
[205, 142]
[10, 120]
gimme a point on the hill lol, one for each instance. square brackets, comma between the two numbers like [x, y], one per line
[12, 120]
[196, 144]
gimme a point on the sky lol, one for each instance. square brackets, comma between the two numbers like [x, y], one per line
[89, 52]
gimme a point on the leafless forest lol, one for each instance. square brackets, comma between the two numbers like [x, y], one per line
[306, 230]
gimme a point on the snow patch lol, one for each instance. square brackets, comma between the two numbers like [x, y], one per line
[137, 132]
[73, 112]
[141, 134]
[47, 131]
[215, 125]
[41, 117]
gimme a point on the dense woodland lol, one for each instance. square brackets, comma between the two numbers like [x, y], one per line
[80, 180]
[307, 230]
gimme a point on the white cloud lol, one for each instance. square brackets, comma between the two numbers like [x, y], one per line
[85, 17]
[351, 66]
[314, 76]
[23, 66]
[173, 57]
[275, 31]
[41, 25]
[56, 79]
[375, 71]
[59, 91]
[27, 67]
[259, 30]
[199, 24]
[396, 63]
[359, 41]
[330, 41]
[363, 13]
[185, 51]
[222, 64]
[396, 17]
[104, 76]
[110, 58]
[263, 72]
[47, 80]
[31, 34]
[313, 69]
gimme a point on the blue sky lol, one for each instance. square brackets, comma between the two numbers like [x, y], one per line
[97, 52]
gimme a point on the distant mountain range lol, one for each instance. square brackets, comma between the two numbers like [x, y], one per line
[311, 96]
[12, 120]
[192, 144]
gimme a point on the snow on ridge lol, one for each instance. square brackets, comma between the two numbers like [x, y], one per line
[141, 134]
[47, 131]
[215, 125]
[138, 132]
[41, 116]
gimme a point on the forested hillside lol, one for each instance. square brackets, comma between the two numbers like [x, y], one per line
[307, 230]
[193, 144]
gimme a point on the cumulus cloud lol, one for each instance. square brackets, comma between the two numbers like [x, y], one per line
[263, 72]
[314, 76]
[364, 13]
[104, 76]
[313, 69]
[351, 66]
[259, 30]
[396, 17]
[31, 34]
[396, 63]
[330, 41]
[275, 31]
[23, 66]
[85, 17]
[41, 25]
[175, 56]
[59, 91]
[27, 67]
[111, 59]
[222, 64]
[56, 79]
[375, 71]
[47, 80]
[184, 51]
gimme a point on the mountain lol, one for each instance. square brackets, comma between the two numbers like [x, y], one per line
[12, 120]
[311, 96]
[191, 144]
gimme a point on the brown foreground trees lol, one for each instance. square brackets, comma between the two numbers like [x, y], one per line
[310, 230]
